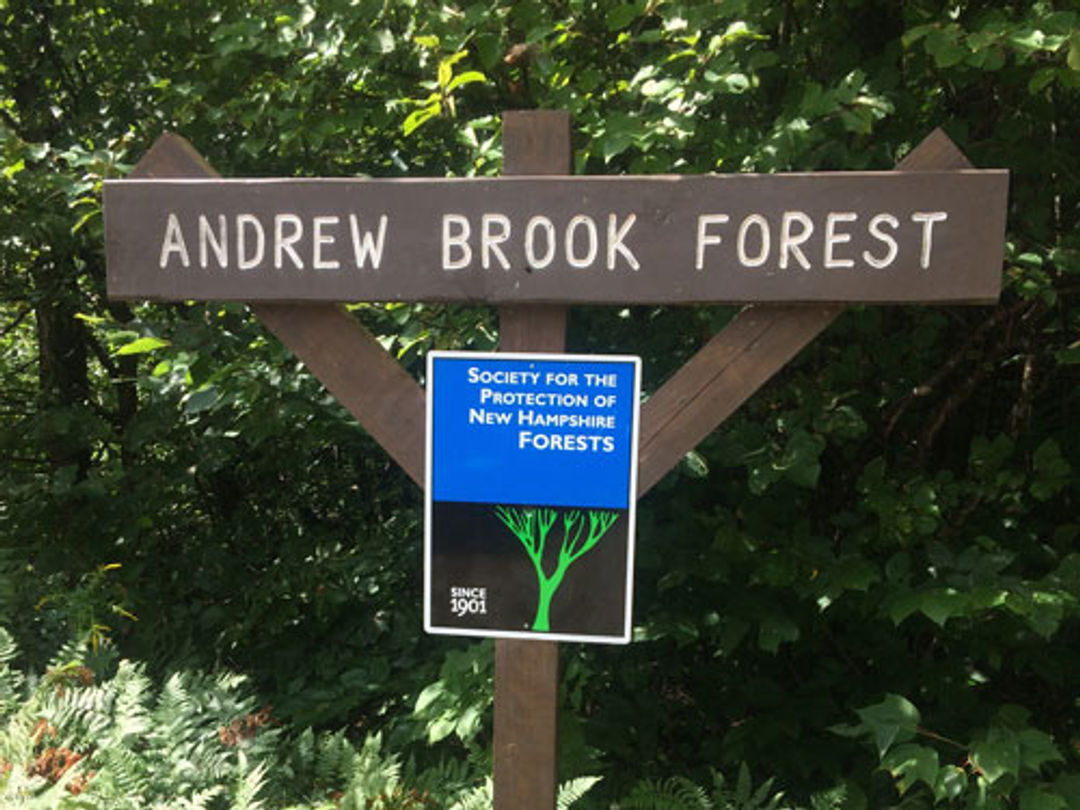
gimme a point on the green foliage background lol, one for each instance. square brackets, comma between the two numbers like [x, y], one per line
[866, 581]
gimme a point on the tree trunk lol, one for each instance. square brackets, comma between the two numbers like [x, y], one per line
[62, 375]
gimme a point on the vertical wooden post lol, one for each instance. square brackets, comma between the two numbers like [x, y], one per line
[527, 672]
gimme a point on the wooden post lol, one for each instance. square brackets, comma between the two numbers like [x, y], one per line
[527, 672]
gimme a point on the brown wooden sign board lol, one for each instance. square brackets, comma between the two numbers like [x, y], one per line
[872, 237]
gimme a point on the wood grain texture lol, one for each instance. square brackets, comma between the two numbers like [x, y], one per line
[537, 328]
[352, 365]
[526, 705]
[744, 355]
[936, 152]
[527, 672]
[536, 142]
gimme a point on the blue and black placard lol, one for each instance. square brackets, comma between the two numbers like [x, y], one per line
[530, 495]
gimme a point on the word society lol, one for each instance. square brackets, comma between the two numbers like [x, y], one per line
[790, 239]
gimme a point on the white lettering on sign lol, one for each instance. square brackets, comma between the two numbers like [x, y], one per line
[501, 377]
[615, 236]
[763, 241]
[791, 239]
[287, 236]
[491, 239]
[536, 263]
[753, 239]
[927, 218]
[479, 416]
[832, 238]
[789, 242]
[218, 242]
[455, 234]
[173, 243]
[244, 223]
[284, 242]
[320, 238]
[891, 248]
[580, 242]
[704, 238]
[465, 601]
[365, 245]
[572, 258]
[572, 442]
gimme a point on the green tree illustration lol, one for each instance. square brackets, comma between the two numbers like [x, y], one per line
[532, 527]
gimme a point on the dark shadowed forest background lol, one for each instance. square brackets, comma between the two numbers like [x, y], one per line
[860, 592]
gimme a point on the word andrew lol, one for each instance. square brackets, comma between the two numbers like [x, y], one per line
[542, 417]
[790, 239]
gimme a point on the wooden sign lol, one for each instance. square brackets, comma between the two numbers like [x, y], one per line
[873, 237]
[530, 495]
[890, 227]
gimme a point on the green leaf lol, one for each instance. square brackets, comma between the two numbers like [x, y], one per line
[418, 117]
[14, 168]
[696, 464]
[941, 604]
[468, 77]
[800, 459]
[202, 400]
[1051, 471]
[998, 756]
[911, 763]
[943, 45]
[893, 720]
[1073, 59]
[431, 693]
[1037, 748]
[442, 727]
[142, 346]
[446, 67]
[951, 783]
[1039, 798]
[776, 630]
[736, 83]
[620, 16]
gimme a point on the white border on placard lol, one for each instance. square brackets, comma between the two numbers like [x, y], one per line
[631, 516]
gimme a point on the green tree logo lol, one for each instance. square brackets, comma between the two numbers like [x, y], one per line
[532, 526]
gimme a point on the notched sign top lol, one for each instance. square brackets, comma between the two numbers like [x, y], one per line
[879, 237]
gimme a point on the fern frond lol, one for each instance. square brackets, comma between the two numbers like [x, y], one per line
[449, 777]
[572, 790]
[374, 775]
[12, 686]
[249, 784]
[674, 793]
[478, 798]
[9, 650]
[745, 796]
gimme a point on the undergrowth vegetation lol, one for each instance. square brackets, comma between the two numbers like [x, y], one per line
[861, 591]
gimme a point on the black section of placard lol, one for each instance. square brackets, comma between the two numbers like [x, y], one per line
[471, 548]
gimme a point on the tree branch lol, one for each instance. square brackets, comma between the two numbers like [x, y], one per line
[11, 327]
